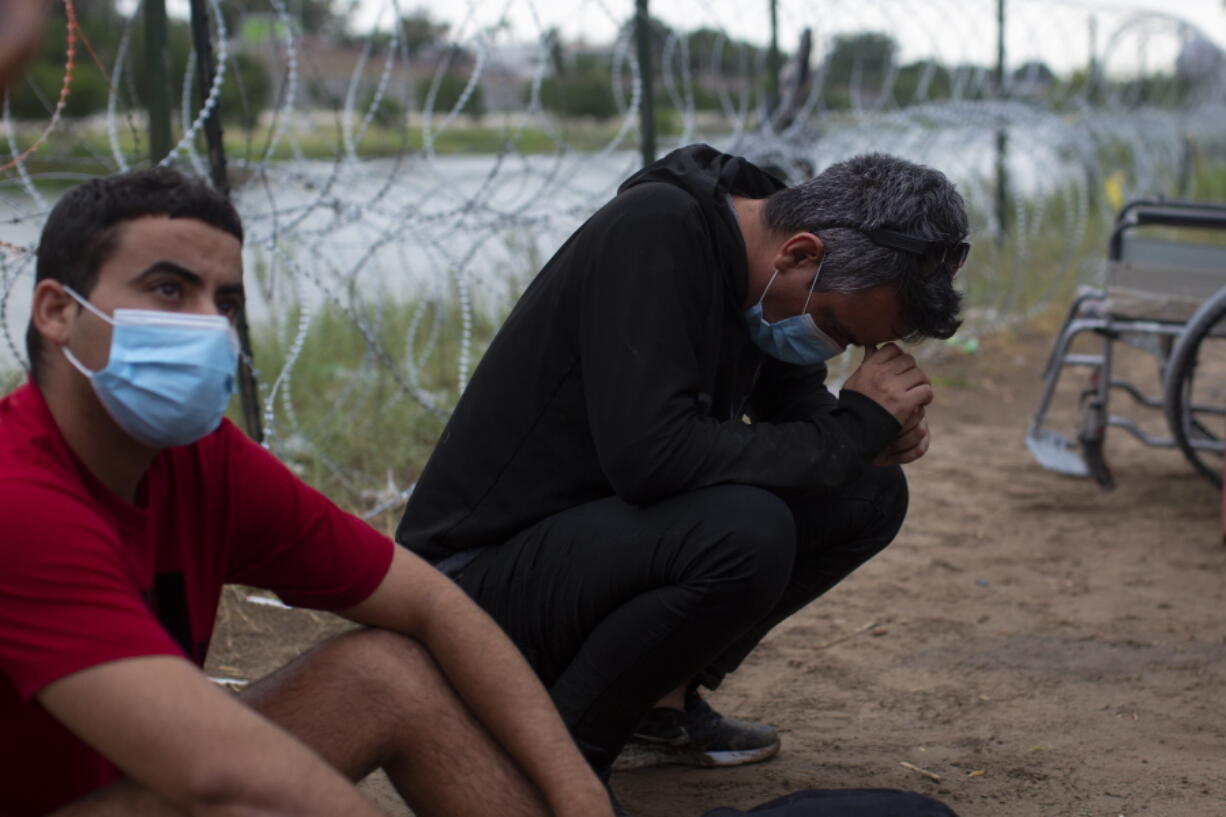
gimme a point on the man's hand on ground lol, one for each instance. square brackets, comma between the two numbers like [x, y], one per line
[891, 378]
[910, 444]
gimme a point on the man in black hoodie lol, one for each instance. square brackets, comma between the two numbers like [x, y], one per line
[647, 473]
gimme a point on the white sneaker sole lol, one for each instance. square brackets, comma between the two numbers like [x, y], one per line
[641, 755]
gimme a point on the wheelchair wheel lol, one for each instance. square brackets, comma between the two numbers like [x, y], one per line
[1195, 389]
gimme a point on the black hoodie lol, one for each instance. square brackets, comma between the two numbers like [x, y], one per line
[626, 368]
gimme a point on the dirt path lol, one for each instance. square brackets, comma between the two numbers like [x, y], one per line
[1046, 649]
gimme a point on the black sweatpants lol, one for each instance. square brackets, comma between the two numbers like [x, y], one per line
[615, 604]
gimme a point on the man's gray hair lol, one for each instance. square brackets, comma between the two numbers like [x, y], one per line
[878, 191]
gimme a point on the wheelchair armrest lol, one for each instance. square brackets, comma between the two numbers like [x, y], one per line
[1161, 203]
[1208, 219]
[1197, 215]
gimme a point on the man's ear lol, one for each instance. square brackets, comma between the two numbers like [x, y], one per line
[53, 312]
[801, 250]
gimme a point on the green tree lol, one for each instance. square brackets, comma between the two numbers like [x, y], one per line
[421, 33]
[587, 93]
[713, 51]
[922, 81]
[450, 87]
[858, 63]
[866, 56]
[36, 95]
[246, 91]
[313, 16]
[658, 33]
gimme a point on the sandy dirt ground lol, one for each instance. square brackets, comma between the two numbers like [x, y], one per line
[1038, 648]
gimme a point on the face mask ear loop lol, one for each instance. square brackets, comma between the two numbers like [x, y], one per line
[83, 302]
[78, 364]
[68, 352]
[813, 285]
[762, 297]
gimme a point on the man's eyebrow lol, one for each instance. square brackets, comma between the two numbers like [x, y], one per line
[161, 267]
[172, 268]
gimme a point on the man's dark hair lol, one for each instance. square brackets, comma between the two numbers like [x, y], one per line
[879, 191]
[83, 229]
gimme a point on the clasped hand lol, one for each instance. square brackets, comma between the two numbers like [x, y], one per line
[891, 378]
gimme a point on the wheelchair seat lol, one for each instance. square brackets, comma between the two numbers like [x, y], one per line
[1155, 279]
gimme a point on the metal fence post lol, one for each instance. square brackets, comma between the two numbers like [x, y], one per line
[159, 92]
[1002, 133]
[204, 75]
[772, 64]
[647, 109]
[248, 388]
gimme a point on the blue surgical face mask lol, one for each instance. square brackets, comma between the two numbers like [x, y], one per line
[796, 339]
[169, 376]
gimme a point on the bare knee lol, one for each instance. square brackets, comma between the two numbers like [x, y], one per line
[374, 648]
[373, 678]
[380, 665]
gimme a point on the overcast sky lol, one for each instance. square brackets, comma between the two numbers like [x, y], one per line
[955, 30]
[1058, 32]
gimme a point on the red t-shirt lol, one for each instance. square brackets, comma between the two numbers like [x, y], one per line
[87, 578]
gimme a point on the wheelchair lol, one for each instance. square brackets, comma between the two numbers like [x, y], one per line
[1165, 294]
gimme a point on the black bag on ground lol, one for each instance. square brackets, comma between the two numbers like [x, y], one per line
[845, 803]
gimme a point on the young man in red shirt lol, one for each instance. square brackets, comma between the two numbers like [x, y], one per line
[126, 501]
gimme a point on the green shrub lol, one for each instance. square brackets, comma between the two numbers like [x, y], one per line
[449, 89]
[245, 96]
[584, 94]
[35, 98]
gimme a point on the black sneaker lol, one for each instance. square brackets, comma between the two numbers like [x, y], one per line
[699, 736]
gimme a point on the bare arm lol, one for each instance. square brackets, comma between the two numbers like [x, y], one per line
[190, 748]
[490, 676]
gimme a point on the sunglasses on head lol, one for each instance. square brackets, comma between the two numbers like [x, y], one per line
[934, 254]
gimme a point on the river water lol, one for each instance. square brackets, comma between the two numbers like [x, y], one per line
[474, 229]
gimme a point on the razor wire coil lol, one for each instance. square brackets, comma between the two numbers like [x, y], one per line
[354, 201]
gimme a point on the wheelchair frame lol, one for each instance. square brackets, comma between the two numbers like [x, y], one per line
[1165, 297]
